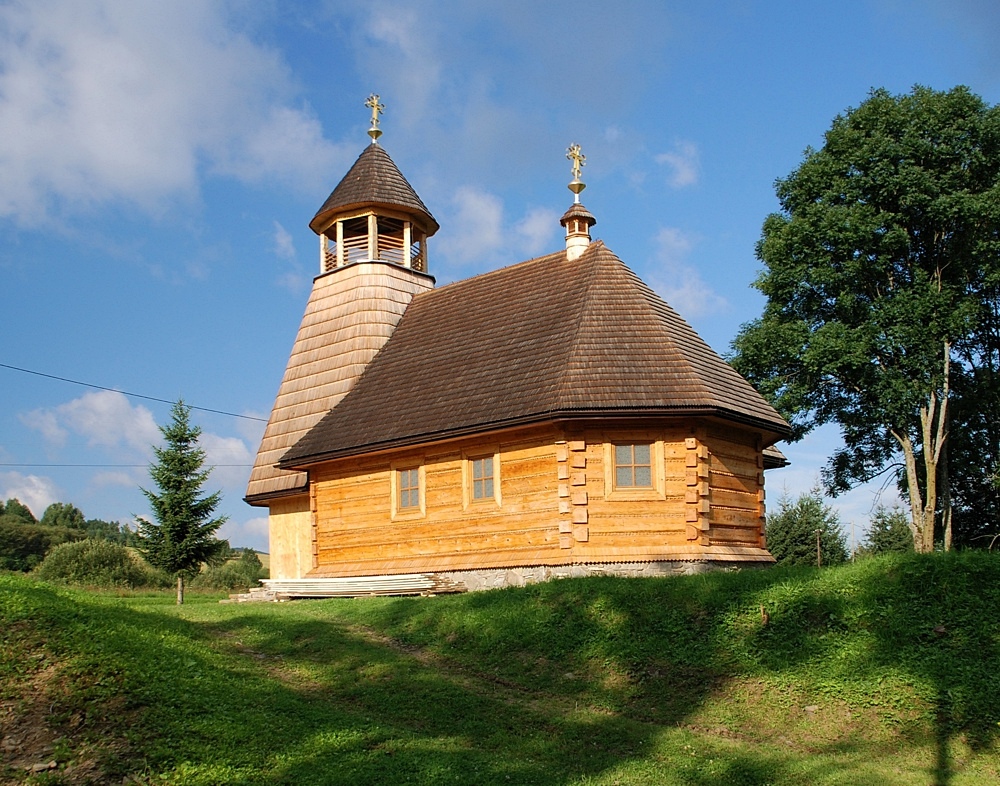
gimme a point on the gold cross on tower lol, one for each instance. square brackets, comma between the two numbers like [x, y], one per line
[579, 160]
[375, 132]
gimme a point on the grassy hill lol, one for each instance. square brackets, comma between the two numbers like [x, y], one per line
[887, 672]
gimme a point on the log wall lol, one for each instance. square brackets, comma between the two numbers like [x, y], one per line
[357, 532]
[555, 503]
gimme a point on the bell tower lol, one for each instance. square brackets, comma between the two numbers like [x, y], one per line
[373, 231]
[373, 213]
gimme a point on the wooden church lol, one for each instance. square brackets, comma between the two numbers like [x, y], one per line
[551, 418]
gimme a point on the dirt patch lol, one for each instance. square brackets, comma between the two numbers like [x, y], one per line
[27, 741]
[40, 738]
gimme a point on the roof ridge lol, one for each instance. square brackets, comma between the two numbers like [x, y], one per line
[654, 302]
[589, 258]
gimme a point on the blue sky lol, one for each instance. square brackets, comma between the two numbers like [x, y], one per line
[160, 162]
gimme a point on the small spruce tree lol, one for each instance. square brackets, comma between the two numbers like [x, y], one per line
[791, 531]
[889, 532]
[183, 535]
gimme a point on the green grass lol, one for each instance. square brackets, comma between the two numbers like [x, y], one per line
[886, 672]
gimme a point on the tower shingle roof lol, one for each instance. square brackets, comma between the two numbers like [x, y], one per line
[541, 339]
[375, 181]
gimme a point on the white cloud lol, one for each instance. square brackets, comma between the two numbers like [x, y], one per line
[229, 456]
[402, 50]
[128, 101]
[538, 231]
[252, 431]
[34, 491]
[683, 161]
[252, 533]
[123, 479]
[46, 422]
[284, 244]
[475, 226]
[291, 278]
[104, 418]
[477, 234]
[679, 283]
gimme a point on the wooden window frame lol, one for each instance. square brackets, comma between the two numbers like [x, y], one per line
[658, 489]
[468, 480]
[410, 511]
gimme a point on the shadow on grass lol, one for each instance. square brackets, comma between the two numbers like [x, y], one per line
[567, 682]
[657, 649]
[931, 619]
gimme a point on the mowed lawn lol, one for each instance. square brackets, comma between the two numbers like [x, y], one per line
[883, 672]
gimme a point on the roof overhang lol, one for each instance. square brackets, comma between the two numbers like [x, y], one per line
[261, 500]
[771, 432]
[324, 219]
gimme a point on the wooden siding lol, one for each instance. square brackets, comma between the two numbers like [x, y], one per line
[623, 529]
[290, 534]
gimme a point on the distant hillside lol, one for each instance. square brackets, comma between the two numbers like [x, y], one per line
[887, 671]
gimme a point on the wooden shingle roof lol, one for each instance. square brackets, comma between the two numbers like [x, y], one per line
[340, 333]
[542, 339]
[373, 181]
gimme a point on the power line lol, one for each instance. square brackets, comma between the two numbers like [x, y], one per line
[126, 393]
[108, 466]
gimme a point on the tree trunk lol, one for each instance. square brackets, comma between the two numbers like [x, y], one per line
[180, 589]
[945, 497]
[917, 520]
[933, 438]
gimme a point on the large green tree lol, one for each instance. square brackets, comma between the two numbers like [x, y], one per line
[881, 275]
[182, 538]
[18, 509]
[64, 514]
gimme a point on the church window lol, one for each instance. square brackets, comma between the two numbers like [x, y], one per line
[408, 486]
[482, 478]
[633, 466]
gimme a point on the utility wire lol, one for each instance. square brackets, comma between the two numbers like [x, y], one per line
[106, 466]
[126, 393]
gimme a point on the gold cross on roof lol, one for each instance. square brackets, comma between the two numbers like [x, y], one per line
[373, 102]
[579, 159]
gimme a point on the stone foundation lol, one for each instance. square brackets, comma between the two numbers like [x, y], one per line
[497, 578]
[472, 580]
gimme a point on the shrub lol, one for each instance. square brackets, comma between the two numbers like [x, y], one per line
[99, 563]
[241, 573]
[24, 545]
